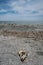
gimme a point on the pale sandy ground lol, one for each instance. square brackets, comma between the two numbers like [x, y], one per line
[9, 46]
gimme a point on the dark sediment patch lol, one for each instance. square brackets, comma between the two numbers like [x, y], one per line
[31, 34]
[40, 53]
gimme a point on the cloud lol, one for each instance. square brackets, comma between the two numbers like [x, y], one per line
[22, 5]
[2, 10]
[35, 12]
[21, 8]
[21, 19]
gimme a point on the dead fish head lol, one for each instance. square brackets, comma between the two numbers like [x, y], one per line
[22, 54]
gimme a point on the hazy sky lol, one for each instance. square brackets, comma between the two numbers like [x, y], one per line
[30, 10]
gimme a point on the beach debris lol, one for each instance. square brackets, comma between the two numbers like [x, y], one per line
[22, 54]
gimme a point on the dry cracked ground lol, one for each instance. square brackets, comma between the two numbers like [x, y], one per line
[9, 46]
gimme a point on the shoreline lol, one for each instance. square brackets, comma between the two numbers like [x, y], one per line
[25, 31]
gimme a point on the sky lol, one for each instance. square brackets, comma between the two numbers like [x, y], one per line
[21, 10]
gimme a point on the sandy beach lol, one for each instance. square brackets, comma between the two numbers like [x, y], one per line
[15, 37]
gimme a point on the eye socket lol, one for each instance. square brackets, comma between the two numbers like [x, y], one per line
[23, 53]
